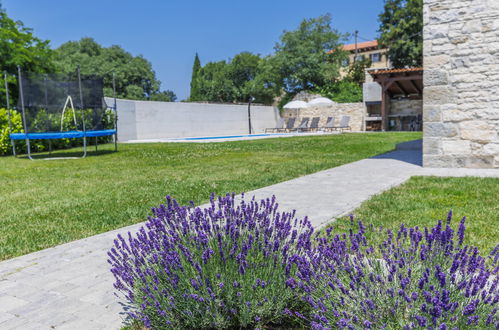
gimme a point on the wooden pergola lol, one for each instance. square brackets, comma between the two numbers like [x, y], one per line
[406, 83]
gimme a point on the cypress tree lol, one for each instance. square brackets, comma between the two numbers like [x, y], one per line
[195, 95]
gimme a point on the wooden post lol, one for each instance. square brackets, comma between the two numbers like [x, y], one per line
[384, 124]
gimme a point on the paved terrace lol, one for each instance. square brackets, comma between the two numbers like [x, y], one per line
[70, 286]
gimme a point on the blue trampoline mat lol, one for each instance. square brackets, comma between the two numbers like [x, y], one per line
[61, 135]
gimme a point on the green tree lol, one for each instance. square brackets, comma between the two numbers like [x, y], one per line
[343, 91]
[18, 46]
[246, 75]
[215, 84]
[401, 29]
[357, 71]
[164, 96]
[135, 78]
[310, 56]
[194, 95]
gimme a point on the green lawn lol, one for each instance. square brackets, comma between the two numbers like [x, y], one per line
[422, 201]
[45, 203]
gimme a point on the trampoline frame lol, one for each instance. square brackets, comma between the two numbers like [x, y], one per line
[53, 135]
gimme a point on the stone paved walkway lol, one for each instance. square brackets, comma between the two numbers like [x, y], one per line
[70, 286]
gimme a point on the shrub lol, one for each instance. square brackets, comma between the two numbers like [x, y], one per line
[17, 126]
[221, 267]
[416, 279]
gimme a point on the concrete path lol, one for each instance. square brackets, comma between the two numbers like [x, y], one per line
[70, 286]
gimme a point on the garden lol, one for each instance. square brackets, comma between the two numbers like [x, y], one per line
[246, 264]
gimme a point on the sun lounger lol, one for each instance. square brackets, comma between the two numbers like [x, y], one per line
[329, 124]
[289, 125]
[314, 125]
[303, 125]
[279, 126]
[344, 124]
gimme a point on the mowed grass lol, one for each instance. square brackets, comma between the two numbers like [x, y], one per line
[422, 201]
[46, 203]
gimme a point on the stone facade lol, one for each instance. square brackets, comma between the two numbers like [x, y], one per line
[461, 83]
[356, 111]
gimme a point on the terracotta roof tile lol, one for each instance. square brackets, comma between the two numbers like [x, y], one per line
[361, 45]
[386, 71]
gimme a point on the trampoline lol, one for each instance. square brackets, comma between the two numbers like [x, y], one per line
[48, 111]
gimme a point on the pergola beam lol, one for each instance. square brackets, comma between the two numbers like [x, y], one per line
[413, 84]
[402, 89]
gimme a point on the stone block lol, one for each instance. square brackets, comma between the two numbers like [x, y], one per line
[435, 61]
[455, 115]
[432, 146]
[439, 130]
[437, 161]
[432, 113]
[435, 77]
[480, 162]
[496, 162]
[491, 149]
[456, 147]
[477, 130]
[438, 95]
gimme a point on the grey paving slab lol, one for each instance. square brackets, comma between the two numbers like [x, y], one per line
[70, 286]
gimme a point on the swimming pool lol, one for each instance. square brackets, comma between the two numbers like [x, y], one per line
[232, 136]
[227, 138]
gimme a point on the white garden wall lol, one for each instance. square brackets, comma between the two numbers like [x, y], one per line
[141, 120]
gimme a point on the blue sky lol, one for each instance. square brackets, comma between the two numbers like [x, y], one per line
[169, 33]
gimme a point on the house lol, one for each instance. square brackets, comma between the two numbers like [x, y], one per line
[366, 50]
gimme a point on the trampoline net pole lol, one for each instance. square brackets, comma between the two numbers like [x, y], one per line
[82, 114]
[12, 142]
[115, 115]
[21, 97]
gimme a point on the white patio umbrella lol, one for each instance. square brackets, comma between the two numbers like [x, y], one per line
[321, 101]
[296, 105]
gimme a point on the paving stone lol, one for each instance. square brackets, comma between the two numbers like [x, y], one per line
[5, 317]
[8, 303]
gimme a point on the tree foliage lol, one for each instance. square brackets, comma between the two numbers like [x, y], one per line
[135, 78]
[401, 28]
[18, 46]
[195, 95]
[306, 58]
[246, 75]
[310, 56]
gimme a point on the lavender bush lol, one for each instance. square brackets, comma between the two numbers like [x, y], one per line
[415, 279]
[221, 267]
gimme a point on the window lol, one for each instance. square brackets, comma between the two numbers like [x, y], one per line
[359, 58]
[345, 62]
[376, 57]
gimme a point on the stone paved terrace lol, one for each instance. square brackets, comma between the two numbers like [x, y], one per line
[70, 286]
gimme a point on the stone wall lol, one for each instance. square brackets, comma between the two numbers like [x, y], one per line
[356, 111]
[406, 107]
[461, 83]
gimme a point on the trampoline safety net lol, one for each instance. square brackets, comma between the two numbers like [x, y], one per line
[55, 103]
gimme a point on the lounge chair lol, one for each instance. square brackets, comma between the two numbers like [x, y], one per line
[279, 125]
[303, 125]
[344, 124]
[329, 124]
[289, 125]
[314, 125]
